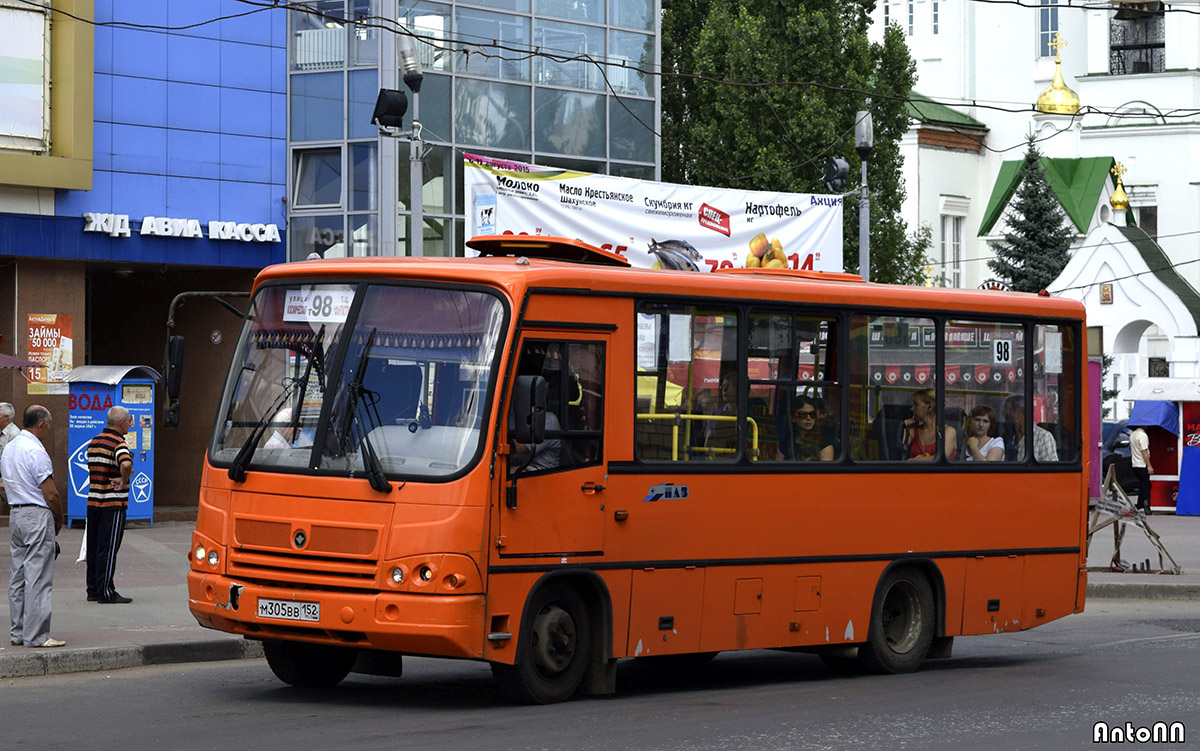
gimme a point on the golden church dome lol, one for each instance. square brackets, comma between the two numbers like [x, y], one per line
[1058, 99]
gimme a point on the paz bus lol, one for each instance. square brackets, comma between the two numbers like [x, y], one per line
[547, 460]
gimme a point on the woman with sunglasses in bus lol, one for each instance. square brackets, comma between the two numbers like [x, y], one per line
[921, 430]
[984, 444]
[810, 440]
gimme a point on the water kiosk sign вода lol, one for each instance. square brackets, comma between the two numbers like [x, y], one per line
[94, 390]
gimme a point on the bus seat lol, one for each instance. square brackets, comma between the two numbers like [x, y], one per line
[887, 431]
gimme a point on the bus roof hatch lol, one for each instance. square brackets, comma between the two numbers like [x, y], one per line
[551, 248]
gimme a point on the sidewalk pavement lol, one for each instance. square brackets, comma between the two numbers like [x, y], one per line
[156, 628]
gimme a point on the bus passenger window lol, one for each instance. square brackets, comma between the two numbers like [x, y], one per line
[1055, 392]
[985, 365]
[686, 357]
[793, 397]
[892, 358]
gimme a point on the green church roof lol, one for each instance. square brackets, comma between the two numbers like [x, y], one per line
[1078, 184]
[1158, 263]
[925, 110]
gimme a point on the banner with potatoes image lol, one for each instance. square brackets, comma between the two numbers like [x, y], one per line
[653, 224]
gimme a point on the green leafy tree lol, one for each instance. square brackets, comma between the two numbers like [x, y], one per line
[1037, 245]
[757, 94]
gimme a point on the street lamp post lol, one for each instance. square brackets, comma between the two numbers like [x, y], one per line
[410, 67]
[864, 141]
[389, 116]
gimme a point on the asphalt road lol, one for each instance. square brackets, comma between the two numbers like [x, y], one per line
[1122, 661]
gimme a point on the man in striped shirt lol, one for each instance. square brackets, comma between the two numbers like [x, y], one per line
[110, 463]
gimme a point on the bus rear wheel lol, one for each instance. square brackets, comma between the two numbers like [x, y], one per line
[309, 665]
[552, 654]
[902, 623]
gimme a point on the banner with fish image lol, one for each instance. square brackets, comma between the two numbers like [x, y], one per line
[653, 224]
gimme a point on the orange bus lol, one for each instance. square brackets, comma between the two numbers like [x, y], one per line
[547, 460]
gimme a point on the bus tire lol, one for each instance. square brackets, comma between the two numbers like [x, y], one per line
[309, 665]
[552, 653]
[902, 623]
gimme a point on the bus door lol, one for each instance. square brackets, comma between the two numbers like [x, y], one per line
[554, 493]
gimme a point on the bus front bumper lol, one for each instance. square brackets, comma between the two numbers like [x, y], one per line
[440, 625]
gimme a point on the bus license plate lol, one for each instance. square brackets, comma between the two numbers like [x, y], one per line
[289, 610]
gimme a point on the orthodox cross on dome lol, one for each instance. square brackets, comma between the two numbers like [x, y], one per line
[1119, 171]
[1057, 44]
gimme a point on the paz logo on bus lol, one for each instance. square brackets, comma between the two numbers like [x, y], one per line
[666, 490]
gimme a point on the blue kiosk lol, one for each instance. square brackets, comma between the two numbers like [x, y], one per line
[94, 389]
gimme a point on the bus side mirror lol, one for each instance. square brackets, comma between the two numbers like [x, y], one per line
[172, 377]
[529, 409]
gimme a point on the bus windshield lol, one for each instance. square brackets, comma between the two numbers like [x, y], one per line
[326, 373]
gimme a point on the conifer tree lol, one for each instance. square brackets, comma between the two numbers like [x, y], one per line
[1037, 244]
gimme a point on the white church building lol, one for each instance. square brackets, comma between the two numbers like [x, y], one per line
[1097, 86]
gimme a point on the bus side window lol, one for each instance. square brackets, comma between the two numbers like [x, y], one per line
[685, 353]
[574, 373]
[793, 397]
[985, 367]
[1055, 392]
[892, 359]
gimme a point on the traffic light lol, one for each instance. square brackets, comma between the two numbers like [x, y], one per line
[836, 170]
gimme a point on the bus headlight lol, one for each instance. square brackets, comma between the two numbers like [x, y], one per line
[397, 575]
[213, 557]
[200, 553]
[425, 573]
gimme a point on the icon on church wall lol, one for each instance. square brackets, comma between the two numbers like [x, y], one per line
[1106, 294]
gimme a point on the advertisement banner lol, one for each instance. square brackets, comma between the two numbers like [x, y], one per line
[1187, 502]
[50, 345]
[652, 224]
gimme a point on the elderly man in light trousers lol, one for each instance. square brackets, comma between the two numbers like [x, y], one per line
[35, 518]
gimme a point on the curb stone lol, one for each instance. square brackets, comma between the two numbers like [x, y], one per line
[93, 659]
[1143, 590]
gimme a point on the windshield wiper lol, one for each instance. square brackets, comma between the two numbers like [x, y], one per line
[313, 353]
[237, 470]
[354, 402]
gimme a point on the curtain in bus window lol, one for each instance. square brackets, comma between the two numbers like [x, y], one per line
[794, 399]
[985, 367]
[281, 373]
[1055, 407]
[415, 378]
[688, 384]
[892, 364]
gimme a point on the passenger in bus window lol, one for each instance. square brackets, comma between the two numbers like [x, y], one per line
[811, 441]
[722, 434]
[1045, 448]
[984, 444]
[921, 430]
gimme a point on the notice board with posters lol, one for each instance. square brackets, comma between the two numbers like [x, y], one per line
[51, 345]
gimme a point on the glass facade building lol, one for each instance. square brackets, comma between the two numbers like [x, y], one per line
[554, 82]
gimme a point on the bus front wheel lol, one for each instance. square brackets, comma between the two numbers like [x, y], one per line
[552, 654]
[902, 623]
[309, 665]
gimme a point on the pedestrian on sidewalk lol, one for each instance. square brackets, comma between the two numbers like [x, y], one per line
[1139, 457]
[35, 518]
[8, 431]
[110, 463]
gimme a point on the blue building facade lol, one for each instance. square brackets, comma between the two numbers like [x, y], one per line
[187, 106]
